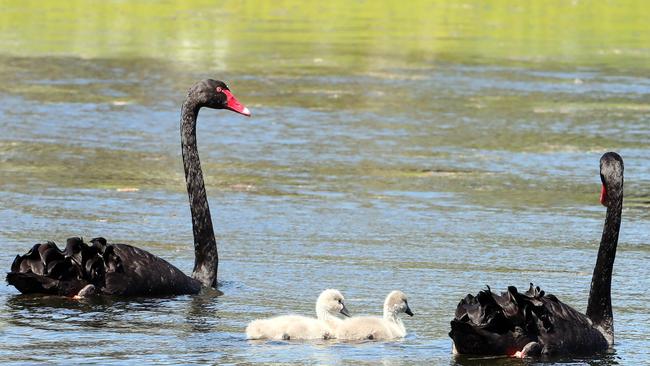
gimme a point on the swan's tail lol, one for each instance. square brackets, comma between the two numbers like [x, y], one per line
[28, 283]
[492, 324]
[47, 269]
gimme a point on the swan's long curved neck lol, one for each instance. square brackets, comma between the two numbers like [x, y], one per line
[206, 258]
[599, 307]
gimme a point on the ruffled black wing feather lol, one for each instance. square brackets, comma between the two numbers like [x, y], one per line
[493, 324]
[114, 269]
[47, 269]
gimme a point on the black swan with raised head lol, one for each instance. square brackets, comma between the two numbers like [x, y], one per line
[121, 269]
[534, 323]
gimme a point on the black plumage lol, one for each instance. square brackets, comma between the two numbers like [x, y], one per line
[534, 323]
[47, 269]
[121, 269]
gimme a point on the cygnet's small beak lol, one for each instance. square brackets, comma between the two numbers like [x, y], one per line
[408, 310]
[345, 311]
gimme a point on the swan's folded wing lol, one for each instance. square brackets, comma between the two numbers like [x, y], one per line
[564, 330]
[134, 271]
[485, 310]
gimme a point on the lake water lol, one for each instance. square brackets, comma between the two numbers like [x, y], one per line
[430, 147]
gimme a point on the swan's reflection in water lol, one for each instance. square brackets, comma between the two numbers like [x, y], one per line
[104, 327]
[56, 312]
[606, 359]
[203, 310]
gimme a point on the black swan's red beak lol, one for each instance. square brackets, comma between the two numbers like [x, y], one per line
[233, 104]
[603, 196]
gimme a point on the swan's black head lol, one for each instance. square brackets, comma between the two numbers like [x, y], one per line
[215, 94]
[611, 174]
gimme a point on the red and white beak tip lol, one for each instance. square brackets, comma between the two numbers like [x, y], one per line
[233, 104]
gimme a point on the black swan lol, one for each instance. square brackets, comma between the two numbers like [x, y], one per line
[121, 269]
[537, 324]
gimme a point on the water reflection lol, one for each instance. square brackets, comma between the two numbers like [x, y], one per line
[95, 312]
[607, 359]
[203, 311]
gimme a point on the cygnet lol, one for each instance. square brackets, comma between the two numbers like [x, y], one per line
[376, 328]
[293, 327]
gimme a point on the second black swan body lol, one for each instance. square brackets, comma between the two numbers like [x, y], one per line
[121, 269]
[534, 323]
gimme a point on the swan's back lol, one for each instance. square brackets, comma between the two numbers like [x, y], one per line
[146, 274]
[492, 324]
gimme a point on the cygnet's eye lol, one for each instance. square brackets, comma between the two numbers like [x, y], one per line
[340, 301]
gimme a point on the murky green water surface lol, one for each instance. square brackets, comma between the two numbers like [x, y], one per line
[429, 147]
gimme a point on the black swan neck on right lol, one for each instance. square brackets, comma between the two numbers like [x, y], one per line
[599, 307]
[535, 323]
